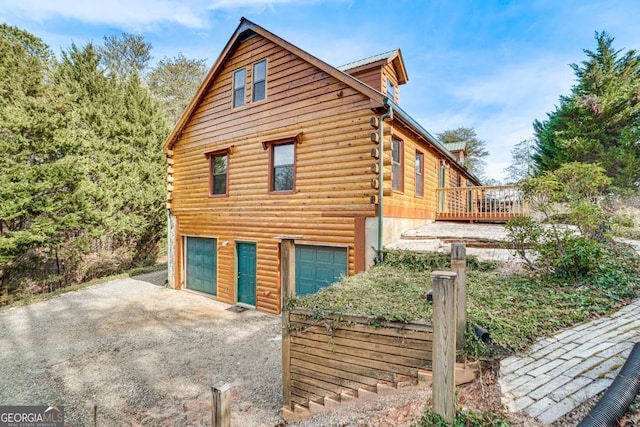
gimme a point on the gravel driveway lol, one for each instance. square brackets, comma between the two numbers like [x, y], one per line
[144, 354]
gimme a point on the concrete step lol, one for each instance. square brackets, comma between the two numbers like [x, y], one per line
[416, 245]
[483, 252]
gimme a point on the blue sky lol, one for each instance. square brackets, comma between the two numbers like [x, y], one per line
[491, 65]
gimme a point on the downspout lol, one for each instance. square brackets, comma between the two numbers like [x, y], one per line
[169, 254]
[386, 115]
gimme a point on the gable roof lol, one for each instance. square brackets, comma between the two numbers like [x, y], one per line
[455, 146]
[366, 61]
[245, 29]
[393, 57]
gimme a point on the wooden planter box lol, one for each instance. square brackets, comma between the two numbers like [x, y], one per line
[342, 356]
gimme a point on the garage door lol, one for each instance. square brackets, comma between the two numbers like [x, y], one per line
[318, 266]
[202, 264]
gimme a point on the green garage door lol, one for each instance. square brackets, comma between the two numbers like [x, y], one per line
[318, 266]
[202, 264]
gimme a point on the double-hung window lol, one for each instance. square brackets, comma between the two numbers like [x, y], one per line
[283, 158]
[218, 176]
[419, 174]
[259, 88]
[239, 78]
[397, 162]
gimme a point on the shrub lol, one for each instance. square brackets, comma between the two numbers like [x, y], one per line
[574, 192]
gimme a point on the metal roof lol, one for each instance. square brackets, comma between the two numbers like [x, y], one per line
[399, 113]
[455, 146]
[369, 60]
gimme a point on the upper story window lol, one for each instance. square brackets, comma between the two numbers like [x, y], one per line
[391, 91]
[218, 176]
[419, 174]
[397, 162]
[282, 174]
[259, 80]
[239, 78]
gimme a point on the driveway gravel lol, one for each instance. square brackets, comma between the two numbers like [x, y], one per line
[144, 354]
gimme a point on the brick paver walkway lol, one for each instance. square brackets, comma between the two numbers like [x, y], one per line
[559, 373]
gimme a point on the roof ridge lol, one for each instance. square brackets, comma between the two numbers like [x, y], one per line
[367, 60]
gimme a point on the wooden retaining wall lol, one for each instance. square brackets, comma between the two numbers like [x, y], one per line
[341, 357]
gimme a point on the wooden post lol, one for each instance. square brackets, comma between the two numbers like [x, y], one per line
[221, 406]
[459, 266]
[287, 278]
[444, 343]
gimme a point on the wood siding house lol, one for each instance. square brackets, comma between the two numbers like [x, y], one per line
[278, 143]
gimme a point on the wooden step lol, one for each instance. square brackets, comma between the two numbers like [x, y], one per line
[366, 394]
[463, 374]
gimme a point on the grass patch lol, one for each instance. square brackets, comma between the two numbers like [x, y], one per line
[462, 418]
[515, 308]
[33, 298]
[384, 292]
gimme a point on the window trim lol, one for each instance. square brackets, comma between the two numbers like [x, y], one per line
[234, 88]
[272, 167]
[210, 156]
[421, 194]
[253, 81]
[266, 145]
[400, 188]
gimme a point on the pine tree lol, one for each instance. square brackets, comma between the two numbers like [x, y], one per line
[122, 128]
[41, 188]
[599, 122]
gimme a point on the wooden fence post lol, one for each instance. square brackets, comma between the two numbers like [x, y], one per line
[221, 406]
[459, 266]
[444, 343]
[287, 276]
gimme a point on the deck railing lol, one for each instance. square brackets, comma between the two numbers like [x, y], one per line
[492, 203]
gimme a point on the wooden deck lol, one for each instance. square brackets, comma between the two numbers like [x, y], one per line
[490, 203]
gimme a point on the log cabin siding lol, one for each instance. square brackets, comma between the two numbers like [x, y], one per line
[327, 114]
[405, 204]
[332, 171]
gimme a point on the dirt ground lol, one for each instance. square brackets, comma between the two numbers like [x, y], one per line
[141, 353]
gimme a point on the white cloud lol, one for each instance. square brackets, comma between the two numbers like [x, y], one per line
[130, 14]
[137, 15]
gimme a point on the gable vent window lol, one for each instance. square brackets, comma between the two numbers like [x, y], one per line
[259, 80]
[239, 78]
[391, 91]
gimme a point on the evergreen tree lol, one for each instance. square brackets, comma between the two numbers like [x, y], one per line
[122, 129]
[599, 122]
[41, 188]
